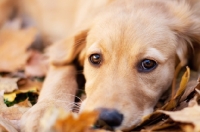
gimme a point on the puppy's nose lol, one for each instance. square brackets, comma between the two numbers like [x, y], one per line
[111, 117]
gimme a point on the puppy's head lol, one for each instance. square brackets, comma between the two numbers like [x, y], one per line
[130, 53]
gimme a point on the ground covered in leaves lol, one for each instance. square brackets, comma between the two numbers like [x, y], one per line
[23, 68]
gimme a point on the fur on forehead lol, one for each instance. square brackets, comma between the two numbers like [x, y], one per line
[176, 16]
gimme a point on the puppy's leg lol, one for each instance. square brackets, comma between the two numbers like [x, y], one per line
[58, 90]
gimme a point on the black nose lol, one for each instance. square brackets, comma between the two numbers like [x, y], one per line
[111, 117]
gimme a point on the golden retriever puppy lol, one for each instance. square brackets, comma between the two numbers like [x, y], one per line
[129, 50]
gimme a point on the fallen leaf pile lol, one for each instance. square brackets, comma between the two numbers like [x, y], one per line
[27, 90]
[179, 110]
[189, 118]
[23, 69]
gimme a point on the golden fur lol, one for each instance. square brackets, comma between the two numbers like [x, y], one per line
[124, 32]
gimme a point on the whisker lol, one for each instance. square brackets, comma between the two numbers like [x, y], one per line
[76, 110]
[71, 104]
[79, 98]
[82, 90]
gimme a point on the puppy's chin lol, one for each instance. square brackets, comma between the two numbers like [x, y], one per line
[132, 117]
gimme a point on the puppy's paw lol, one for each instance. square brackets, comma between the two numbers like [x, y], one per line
[30, 121]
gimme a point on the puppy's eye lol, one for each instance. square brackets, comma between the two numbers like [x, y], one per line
[147, 65]
[95, 59]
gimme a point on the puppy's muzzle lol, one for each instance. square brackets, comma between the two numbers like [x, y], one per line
[109, 118]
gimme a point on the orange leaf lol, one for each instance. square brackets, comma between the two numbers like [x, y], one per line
[57, 120]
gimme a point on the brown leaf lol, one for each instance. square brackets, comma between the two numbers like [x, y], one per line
[8, 84]
[191, 85]
[162, 125]
[198, 85]
[11, 113]
[187, 115]
[13, 46]
[36, 65]
[172, 104]
[30, 85]
[25, 103]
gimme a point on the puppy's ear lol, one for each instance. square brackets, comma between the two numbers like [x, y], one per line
[186, 25]
[67, 50]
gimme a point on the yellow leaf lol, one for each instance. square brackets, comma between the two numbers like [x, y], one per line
[29, 86]
[171, 104]
[10, 97]
[175, 100]
[183, 84]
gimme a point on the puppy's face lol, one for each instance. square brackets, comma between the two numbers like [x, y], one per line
[128, 64]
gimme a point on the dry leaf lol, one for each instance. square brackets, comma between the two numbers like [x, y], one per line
[11, 113]
[175, 100]
[198, 85]
[6, 126]
[36, 65]
[25, 103]
[29, 86]
[191, 85]
[157, 116]
[13, 48]
[187, 115]
[162, 125]
[8, 84]
[57, 120]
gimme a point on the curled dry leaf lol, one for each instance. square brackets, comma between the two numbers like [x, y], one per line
[192, 84]
[175, 100]
[57, 120]
[13, 47]
[172, 104]
[190, 116]
[25, 103]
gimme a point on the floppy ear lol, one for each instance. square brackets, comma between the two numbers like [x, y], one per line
[67, 50]
[186, 26]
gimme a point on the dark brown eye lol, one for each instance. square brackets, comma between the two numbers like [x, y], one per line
[95, 59]
[147, 65]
